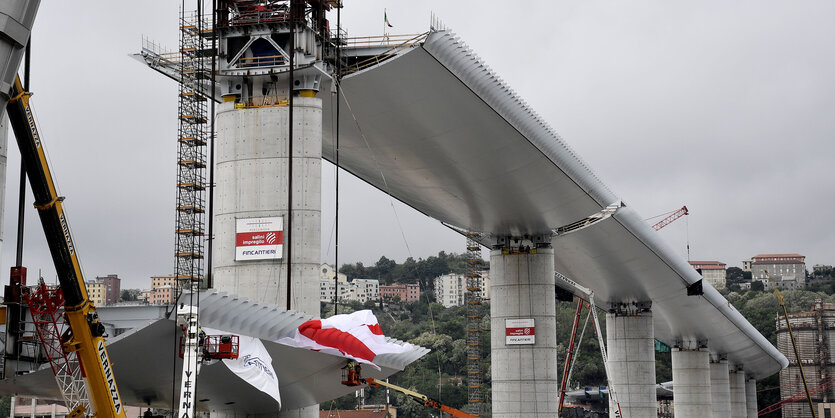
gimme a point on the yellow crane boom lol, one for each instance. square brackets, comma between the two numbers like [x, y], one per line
[86, 333]
[423, 399]
[782, 303]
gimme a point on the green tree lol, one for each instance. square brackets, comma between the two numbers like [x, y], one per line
[129, 295]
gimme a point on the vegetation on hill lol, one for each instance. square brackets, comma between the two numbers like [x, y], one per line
[422, 271]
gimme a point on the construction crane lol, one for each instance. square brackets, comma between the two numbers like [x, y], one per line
[353, 377]
[670, 218]
[569, 355]
[590, 294]
[795, 398]
[78, 355]
[782, 303]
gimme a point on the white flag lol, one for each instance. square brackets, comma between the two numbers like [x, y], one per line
[254, 364]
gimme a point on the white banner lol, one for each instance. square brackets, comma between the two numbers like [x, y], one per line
[254, 364]
[259, 238]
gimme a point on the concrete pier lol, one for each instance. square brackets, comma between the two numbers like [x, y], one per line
[691, 382]
[252, 171]
[737, 386]
[252, 182]
[720, 390]
[525, 377]
[751, 398]
[631, 343]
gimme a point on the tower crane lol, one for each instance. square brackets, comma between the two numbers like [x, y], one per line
[670, 218]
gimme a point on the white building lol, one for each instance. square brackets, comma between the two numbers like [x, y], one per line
[327, 285]
[363, 290]
[360, 290]
[451, 289]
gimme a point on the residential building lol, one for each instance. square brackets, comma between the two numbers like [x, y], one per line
[96, 292]
[327, 285]
[787, 270]
[363, 290]
[746, 265]
[712, 271]
[113, 285]
[327, 288]
[163, 295]
[408, 292]
[164, 290]
[145, 295]
[360, 290]
[450, 289]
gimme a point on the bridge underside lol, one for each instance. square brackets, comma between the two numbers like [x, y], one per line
[436, 129]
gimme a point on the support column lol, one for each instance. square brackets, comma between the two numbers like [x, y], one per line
[737, 385]
[691, 381]
[631, 350]
[720, 390]
[12, 405]
[751, 398]
[252, 182]
[252, 168]
[525, 377]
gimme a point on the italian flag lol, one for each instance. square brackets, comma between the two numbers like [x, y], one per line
[386, 19]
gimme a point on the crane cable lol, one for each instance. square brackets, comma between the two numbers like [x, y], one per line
[379, 169]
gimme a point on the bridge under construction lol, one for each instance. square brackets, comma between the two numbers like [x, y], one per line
[425, 120]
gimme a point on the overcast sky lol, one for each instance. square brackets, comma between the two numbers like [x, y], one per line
[726, 107]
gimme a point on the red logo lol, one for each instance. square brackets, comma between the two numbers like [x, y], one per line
[245, 239]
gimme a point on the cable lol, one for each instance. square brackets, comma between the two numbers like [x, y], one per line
[338, 82]
[380, 170]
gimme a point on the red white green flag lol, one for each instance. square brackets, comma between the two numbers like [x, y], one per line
[386, 19]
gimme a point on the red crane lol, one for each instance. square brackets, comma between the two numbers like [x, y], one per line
[669, 219]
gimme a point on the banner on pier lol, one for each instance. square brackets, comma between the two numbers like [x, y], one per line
[259, 238]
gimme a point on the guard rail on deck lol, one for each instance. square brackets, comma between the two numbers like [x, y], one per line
[395, 43]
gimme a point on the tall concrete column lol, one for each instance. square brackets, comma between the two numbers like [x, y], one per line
[252, 171]
[4, 141]
[720, 390]
[751, 397]
[631, 350]
[737, 384]
[524, 376]
[691, 382]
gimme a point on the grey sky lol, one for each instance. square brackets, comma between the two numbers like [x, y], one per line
[724, 107]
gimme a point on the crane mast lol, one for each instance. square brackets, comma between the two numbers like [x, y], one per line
[85, 336]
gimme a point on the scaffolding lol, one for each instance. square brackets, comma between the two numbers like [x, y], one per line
[814, 332]
[191, 149]
[475, 392]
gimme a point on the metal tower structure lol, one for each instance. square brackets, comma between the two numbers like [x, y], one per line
[475, 393]
[191, 150]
